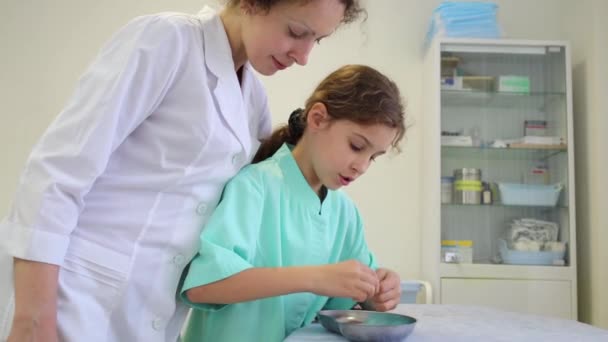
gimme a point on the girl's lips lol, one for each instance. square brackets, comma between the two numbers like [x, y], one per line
[278, 64]
[345, 180]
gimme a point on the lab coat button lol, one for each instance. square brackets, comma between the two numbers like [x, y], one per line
[157, 324]
[179, 260]
[201, 209]
[235, 159]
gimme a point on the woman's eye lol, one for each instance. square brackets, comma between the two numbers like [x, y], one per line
[318, 40]
[355, 148]
[294, 34]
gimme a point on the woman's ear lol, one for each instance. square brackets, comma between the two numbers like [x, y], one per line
[317, 118]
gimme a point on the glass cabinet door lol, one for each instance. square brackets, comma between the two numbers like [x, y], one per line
[504, 155]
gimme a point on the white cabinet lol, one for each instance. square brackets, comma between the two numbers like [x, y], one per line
[498, 193]
[541, 297]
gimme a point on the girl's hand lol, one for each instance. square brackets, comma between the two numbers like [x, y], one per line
[348, 279]
[389, 293]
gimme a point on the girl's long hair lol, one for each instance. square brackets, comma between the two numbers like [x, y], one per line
[357, 93]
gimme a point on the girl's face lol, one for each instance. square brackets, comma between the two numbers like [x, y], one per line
[286, 34]
[343, 150]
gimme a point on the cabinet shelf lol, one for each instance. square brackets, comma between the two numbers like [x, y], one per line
[504, 271]
[502, 206]
[477, 98]
[509, 153]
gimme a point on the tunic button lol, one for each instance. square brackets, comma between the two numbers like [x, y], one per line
[157, 324]
[201, 209]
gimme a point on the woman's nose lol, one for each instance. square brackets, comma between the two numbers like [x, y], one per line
[300, 51]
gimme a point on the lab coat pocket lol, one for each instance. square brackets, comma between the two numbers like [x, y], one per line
[91, 267]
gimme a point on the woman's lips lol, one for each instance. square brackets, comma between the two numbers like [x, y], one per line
[278, 64]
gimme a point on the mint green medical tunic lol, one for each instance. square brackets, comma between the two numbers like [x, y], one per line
[270, 217]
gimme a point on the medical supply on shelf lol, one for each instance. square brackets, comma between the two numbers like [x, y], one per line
[457, 251]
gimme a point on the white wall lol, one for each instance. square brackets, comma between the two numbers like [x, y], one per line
[47, 44]
[590, 52]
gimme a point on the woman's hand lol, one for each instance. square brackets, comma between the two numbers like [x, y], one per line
[348, 279]
[27, 329]
[389, 293]
[35, 316]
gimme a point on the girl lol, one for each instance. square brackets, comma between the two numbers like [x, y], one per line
[283, 243]
[111, 202]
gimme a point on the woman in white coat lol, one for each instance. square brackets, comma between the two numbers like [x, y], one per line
[112, 199]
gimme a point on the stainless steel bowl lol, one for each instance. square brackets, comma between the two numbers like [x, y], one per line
[369, 326]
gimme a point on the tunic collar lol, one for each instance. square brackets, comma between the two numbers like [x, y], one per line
[296, 180]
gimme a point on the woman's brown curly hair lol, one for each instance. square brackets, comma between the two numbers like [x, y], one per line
[352, 9]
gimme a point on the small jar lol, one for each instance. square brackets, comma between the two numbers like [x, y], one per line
[486, 194]
[446, 189]
[457, 251]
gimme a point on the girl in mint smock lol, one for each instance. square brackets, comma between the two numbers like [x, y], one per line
[283, 243]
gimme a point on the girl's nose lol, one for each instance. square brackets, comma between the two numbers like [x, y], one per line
[360, 166]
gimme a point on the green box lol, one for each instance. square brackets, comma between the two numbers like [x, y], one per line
[514, 84]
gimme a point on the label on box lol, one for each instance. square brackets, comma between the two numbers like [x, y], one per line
[536, 128]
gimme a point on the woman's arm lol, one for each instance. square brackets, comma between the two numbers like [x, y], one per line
[111, 99]
[35, 301]
[349, 279]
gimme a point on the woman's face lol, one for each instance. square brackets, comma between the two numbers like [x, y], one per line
[286, 34]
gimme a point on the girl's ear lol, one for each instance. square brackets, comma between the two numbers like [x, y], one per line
[317, 118]
[247, 7]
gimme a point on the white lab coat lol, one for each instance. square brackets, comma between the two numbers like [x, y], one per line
[120, 185]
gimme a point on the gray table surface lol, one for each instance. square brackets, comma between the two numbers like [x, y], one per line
[473, 323]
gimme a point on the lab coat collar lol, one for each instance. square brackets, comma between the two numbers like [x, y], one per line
[228, 93]
[218, 54]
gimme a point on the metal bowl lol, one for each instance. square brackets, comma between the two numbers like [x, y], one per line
[360, 326]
